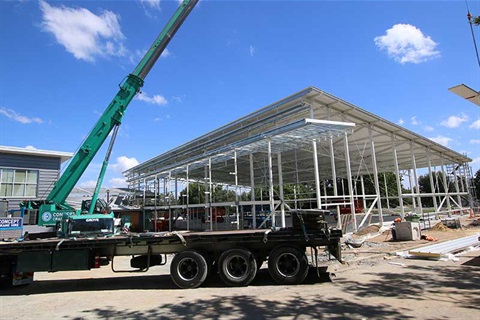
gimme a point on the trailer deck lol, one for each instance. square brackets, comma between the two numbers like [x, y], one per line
[234, 254]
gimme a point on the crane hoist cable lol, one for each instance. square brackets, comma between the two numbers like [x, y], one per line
[470, 22]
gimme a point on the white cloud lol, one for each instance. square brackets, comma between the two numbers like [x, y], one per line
[30, 148]
[475, 125]
[136, 56]
[454, 121]
[150, 7]
[428, 129]
[252, 50]
[401, 121]
[124, 163]
[406, 43]
[156, 99]
[475, 141]
[83, 33]
[12, 114]
[165, 53]
[153, 4]
[177, 99]
[414, 121]
[87, 184]
[118, 183]
[441, 140]
[162, 118]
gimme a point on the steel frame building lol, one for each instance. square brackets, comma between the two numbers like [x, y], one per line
[310, 138]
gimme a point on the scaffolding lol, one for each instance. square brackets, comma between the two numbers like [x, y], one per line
[310, 151]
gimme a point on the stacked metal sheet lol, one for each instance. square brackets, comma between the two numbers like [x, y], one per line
[439, 250]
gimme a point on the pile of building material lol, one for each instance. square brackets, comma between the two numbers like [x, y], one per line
[443, 249]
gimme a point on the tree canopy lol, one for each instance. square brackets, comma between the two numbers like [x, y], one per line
[476, 182]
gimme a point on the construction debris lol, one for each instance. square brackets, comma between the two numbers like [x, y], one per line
[354, 243]
[371, 229]
[440, 227]
[428, 238]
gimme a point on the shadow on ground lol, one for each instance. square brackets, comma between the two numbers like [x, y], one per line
[144, 282]
[248, 307]
[474, 262]
[434, 282]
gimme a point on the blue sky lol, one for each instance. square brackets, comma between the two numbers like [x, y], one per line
[61, 62]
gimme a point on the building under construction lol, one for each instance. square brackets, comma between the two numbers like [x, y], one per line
[308, 151]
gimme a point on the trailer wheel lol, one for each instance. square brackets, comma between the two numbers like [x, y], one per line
[188, 269]
[237, 267]
[288, 265]
[5, 281]
[6, 275]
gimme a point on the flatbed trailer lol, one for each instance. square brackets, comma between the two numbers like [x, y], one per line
[236, 255]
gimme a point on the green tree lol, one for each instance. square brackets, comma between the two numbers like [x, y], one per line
[197, 193]
[425, 186]
[476, 182]
[391, 182]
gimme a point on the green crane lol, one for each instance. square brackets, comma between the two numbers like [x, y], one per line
[54, 208]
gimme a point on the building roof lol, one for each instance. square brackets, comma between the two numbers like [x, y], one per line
[64, 156]
[240, 136]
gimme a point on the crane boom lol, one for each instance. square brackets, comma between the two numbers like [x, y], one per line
[110, 118]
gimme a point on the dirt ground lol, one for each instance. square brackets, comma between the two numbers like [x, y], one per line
[374, 283]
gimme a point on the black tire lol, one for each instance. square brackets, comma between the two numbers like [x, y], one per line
[237, 267]
[5, 282]
[6, 276]
[288, 265]
[188, 269]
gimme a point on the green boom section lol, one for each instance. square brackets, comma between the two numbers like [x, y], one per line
[155, 51]
[116, 109]
[111, 117]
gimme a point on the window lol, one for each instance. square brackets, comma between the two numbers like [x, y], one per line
[16, 183]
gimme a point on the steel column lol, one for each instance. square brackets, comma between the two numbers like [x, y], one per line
[280, 187]
[350, 186]
[446, 188]
[362, 185]
[415, 177]
[433, 189]
[412, 191]
[375, 176]
[457, 189]
[316, 173]
[252, 193]
[210, 194]
[334, 179]
[169, 201]
[236, 188]
[399, 183]
[188, 198]
[156, 184]
[270, 183]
